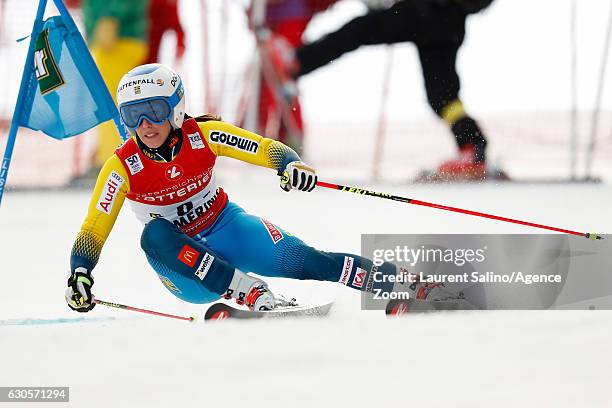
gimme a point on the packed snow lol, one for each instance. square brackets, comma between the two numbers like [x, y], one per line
[351, 358]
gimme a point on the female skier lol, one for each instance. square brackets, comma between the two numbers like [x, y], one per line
[199, 243]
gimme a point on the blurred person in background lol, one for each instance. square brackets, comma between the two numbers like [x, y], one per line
[163, 18]
[286, 21]
[437, 28]
[117, 35]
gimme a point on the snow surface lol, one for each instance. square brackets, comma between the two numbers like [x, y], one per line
[352, 358]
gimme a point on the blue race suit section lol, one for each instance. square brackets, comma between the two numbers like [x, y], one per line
[249, 243]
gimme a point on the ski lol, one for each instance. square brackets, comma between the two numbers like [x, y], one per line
[222, 311]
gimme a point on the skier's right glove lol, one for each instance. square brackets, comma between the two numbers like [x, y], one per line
[298, 175]
[78, 294]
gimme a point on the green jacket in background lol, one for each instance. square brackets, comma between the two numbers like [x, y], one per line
[132, 15]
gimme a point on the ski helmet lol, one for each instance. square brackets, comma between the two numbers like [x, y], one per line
[154, 92]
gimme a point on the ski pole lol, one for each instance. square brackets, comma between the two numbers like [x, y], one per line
[136, 309]
[356, 190]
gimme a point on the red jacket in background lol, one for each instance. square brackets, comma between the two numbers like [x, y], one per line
[163, 15]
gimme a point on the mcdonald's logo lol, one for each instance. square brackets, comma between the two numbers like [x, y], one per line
[188, 256]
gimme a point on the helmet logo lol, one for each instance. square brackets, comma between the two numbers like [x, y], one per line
[160, 82]
[137, 89]
[174, 81]
[135, 82]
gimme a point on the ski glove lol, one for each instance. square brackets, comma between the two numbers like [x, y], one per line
[78, 293]
[298, 175]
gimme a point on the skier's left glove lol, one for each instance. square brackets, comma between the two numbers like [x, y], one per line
[298, 175]
[78, 293]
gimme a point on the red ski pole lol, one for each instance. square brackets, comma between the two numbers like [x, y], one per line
[356, 190]
[136, 309]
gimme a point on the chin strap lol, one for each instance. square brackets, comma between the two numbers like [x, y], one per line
[167, 151]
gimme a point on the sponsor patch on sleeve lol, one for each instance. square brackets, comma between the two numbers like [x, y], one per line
[359, 278]
[274, 232]
[346, 270]
[204, 266]
[168, 283]
[188, 256]
[195, 140]
[134, 163]
[235, 142]
[370, 283]
[109, 192]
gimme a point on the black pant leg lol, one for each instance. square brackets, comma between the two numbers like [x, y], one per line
[440, 75]
[442, 85]
[393, 25]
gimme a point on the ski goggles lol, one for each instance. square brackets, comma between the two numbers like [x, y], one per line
[155, 110]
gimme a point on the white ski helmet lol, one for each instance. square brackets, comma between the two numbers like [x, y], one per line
[152, 91]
